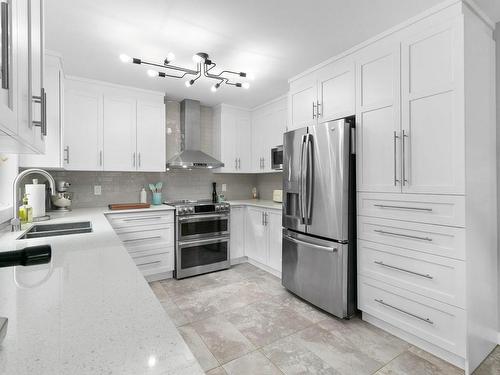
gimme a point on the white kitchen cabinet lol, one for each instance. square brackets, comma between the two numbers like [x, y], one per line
[322, 95]
[256, 235]
[233, 139]
[53, 82]
[151, 136]
[274, 224]
[123, 128]
[20, 116]
[83, 127]
[263, 237]
[149, 239]
[268, 126]
[237, 243]
[432, 111]
[378, 124]
[9, 83]
[119, 139]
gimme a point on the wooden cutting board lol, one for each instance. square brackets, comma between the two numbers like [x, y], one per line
[127, 206]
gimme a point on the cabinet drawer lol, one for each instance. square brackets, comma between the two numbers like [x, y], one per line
[440, 324]
[429, 209]
[432, 239]
[147, 237]
[140, 219]
[151, 264]
[156, 248]
[439, 278]
[142, 228]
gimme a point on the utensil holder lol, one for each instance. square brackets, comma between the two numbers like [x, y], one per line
[156, 199]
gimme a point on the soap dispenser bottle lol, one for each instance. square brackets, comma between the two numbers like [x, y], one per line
[144, 196]
[25, 211]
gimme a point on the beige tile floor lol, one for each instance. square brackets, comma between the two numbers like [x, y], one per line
[242, 321]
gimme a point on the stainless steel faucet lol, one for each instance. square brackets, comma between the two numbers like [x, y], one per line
[15, 223]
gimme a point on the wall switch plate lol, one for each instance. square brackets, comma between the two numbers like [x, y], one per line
[97, 190]
[224, 187]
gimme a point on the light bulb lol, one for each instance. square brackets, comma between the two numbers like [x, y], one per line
[197, 59]
[152, 73]
[170, 56]
[245, 85]
[215, 87]
[125, 58]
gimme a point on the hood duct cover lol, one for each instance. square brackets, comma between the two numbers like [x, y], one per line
[190, 155]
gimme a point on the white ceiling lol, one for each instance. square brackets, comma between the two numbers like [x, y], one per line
[274, 39]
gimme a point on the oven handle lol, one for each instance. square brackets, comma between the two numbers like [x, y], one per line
[212, 216]
[205, 241]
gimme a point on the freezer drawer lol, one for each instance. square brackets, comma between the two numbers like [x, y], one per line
[320, 272]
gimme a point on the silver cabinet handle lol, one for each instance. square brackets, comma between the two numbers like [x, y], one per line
[42, 99]
[66, 150]
[405, 180]
[403, 207]
[319, 247]
[395, 138]
[427, 320]
[235, 163]
[403, 235]
[100, 158]
[139, 159]
[143, 218]
[265, 218]
[239, 163]
[5, 45]
[262, 217]
[318, 112]
[263, 163]
[133, 159]
[314, 110]
[380, 263]
[148, 263]
[143, 239]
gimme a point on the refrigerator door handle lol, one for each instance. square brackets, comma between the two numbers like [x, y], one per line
[308, 244]
[301, 181]
[309, 178]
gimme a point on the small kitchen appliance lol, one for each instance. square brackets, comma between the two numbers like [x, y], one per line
[278, 196]
[277, 158]
[201, 237]
[61, 200]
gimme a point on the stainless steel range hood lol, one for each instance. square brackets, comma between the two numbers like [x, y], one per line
[190, 155]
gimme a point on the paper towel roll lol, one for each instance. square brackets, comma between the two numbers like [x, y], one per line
[36, 198]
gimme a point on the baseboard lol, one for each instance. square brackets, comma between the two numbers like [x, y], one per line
[272, 271]
[159, 276]
[238, 260]
[414, 340]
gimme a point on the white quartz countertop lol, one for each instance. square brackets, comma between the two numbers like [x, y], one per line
[90, 311]
[257, 203]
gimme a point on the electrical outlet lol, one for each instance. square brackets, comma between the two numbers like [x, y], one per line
[224, 187]
[97, 190]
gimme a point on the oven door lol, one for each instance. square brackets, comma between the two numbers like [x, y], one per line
[202, 226]
[201, 256]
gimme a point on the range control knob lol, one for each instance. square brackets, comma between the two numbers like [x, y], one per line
[191, 210]
[217, 208]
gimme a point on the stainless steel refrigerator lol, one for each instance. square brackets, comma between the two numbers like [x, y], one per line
[319, 215]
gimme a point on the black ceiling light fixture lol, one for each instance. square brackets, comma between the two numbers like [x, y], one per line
[204, 67]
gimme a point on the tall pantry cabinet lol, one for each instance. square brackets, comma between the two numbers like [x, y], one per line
[426, 187]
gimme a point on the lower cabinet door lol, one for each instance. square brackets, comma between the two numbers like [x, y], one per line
[435, 322]
[275, 239]
[237, 243]
[255, 235]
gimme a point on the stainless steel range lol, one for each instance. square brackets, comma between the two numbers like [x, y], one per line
[201, 237]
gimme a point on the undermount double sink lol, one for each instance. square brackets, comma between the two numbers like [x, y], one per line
[62, 229]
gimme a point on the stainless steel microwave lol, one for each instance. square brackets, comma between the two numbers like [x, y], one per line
[277, 157]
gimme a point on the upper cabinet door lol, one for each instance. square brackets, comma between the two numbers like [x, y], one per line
[9, 63]
[151, 136]
[243, 142]
[432, 112]
[259, 135]
[302, 101]
[119, 133]
[83, 130]
[378, 128]
[228, 141]
[336, 97]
